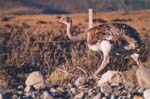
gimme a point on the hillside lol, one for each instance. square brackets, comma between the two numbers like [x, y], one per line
[69, 6]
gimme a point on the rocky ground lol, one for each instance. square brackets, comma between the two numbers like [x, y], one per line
[111, 85]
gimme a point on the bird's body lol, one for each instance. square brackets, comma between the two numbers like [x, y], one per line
[117, 33]
[108, 38]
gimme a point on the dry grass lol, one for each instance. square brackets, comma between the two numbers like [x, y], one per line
[22, 39]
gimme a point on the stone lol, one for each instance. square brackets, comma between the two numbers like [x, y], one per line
[129, 96]
[21, 87]
[1, 96]
[98, 96]
[143, 77]
[106, 88]
[104, 98]
[79, 96]
[80, 81]
[20, 93]
[36, 80]
[3, 85]
[46, 95]
[90, 92]
[138, 97]
[13, 96]
[53, 90]
[146, 94]
[27, 89]
[59, 89]
[112, 97]
[73, 90]
[111, 77]
[122, 97]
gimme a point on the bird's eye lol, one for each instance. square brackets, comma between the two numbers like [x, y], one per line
[63, 18]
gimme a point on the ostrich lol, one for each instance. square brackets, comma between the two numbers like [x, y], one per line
[108, 38]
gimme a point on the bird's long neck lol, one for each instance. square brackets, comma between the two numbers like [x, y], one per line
[79, 37]
[69, 31]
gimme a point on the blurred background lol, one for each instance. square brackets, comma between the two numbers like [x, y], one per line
[69, 6]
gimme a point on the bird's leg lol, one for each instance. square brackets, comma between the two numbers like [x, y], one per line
[106, 48]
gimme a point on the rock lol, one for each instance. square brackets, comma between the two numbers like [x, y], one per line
[138, 97]
[111, 77]
[90, 92]
[3, 85]
[79, 96]
[36, 80]
[112, 97]
[104, 98]
[146, 94]
[59, 89]
[1, 96]
[53, 90]
[46, 95]
[21, 87]
[106, 88]
[80, 81]
[73, 90]
[20, 93]
[129, 96]
[143, 77]
[98, 96]
[27, 89]
[122, 97]
[14, 96]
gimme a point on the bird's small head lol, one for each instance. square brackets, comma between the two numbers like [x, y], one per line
[65, 20]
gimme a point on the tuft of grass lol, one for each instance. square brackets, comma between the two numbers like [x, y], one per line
[57, 76]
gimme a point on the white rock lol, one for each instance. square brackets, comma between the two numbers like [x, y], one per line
[79, 96]
[112, 97]
[53, 90]
[98, 96]
[80, 81]
[111, 77]
[1, 96]
[73, 90]
[143, 77]
[27, 89]
[36, 80]
[146, 94]
[46, 95]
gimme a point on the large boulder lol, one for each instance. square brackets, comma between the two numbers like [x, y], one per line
[146, 94]
[143, 77]
[1, 96]
[110, 77]
[36, 80]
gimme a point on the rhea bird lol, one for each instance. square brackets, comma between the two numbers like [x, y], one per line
[108, 38]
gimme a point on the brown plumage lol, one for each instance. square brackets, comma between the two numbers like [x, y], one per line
[120, 34]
